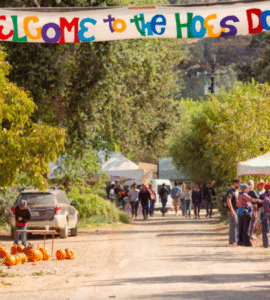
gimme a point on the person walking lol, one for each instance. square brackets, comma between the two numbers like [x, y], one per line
[260, 191]
[209, 198]
[133, 200]
[121, 195]
[145, 198]
[22, 216]
[175, 193]
[231, 196]
[245, 208]
[188, 192]
[182, 200]
[252, 194]
[153, 196]
[196, 197]
[163, 194]
[112, 194]
[265, 215]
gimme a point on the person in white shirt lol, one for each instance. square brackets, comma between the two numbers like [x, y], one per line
[133, 200]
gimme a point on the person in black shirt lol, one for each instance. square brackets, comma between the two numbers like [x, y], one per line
[232, 195]
[163, 194]
[196, 197]
[208, 195]
[144, 197]
[22, 216]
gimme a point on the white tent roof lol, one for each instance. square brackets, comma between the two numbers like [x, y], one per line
[256, 166]
[118, 165]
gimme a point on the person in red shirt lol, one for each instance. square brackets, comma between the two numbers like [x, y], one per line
[22, 216]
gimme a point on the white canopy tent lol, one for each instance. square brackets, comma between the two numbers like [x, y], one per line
[119, 165]
[256, 166]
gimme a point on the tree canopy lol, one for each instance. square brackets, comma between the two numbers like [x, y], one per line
[25, 146]
[215, 135]
[111, 95]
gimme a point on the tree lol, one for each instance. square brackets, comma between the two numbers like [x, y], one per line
[215, 135]
[114, 95]
[26, 146]
[258, 69]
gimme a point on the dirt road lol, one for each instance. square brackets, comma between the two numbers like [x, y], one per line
[161, 258]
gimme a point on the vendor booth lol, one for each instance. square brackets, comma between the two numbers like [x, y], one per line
[256, 166]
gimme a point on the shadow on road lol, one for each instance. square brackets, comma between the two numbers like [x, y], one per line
[243, 293]
[205, 279]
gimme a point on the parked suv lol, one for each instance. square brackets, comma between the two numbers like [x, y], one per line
[50, 209]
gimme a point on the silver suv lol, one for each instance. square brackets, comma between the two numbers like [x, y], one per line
[50, 209]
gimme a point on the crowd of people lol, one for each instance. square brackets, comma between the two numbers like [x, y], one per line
[184, 198]
[248, 210]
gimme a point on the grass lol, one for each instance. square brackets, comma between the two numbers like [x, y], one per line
[6, 274]
[37, 273]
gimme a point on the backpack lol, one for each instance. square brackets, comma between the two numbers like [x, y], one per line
[175, 193]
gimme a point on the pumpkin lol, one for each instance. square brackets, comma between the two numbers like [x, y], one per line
[9, 260]
[21, 249]
[3, 251]
[60, 254]
[69, 253]
[46, 255]
[39, 255]
[18, 259]
[23, 257]
[14, 249]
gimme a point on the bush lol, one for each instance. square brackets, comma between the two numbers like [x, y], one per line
[220, 192]
[94, 209]
[7, 199]
[124, 217]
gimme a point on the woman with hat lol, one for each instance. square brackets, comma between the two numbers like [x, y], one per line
[245, 208]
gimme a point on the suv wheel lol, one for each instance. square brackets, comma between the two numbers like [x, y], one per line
[63, 233]
[74, 231]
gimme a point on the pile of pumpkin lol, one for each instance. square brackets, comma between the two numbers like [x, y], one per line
[20, 254]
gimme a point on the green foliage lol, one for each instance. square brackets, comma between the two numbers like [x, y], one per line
[25, 146]
[112, 95]
[258, 69]
[124, 217]
[95, 210]
[7, 199]
[215, 135]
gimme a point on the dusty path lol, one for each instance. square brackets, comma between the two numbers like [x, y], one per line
[162, 258]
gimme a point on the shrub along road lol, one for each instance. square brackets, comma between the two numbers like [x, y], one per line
[161, 258]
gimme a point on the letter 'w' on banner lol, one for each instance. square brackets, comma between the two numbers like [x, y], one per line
[94, 24]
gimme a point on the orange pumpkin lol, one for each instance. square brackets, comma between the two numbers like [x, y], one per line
[60, 254]
[3, 251]
[38, 254]
[21, 249]
[9, 260]
[23, 257]
[18, 259]
[69, 253]
[46, 255]
[14, 249]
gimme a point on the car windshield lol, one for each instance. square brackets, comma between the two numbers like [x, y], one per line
[34, 199]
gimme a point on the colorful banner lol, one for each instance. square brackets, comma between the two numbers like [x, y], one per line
[119, 23]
